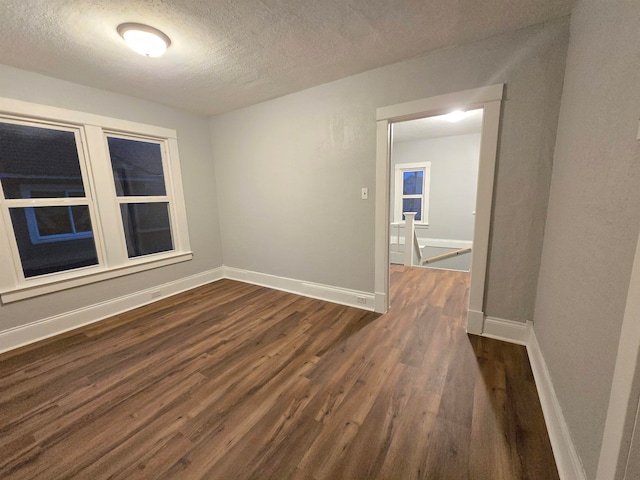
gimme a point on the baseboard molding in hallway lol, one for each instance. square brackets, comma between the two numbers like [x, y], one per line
[567, 459]
[564, 451]
[507, 330]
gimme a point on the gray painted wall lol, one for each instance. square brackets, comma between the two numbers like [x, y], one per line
[593, 222]
[453, 186]
[198, 177]
[289, 171]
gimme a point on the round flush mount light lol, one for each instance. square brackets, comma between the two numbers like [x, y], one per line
[143, 39]
[455, 116]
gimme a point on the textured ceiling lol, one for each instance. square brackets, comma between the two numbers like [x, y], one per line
[226, 54]
[437, 126]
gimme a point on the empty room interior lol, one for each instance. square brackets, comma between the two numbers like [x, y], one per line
[320, 239]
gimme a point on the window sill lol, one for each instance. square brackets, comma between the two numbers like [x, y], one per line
[32, 289]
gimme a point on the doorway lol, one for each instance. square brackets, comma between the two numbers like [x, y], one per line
[488, 100]
[434, 175]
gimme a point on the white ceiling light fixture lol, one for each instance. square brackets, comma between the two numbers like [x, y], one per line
[143, 39]
[455, 116]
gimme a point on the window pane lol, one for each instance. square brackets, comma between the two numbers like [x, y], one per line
[412, 205]
[46, 193]
[147, 228]
[137, 167]
[52, 221]
[38, 162]
[412, 182]
[46, 242]
[81, 219]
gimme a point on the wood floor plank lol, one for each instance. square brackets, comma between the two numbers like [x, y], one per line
[232, 380]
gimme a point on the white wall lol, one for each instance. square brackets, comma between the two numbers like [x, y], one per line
[198, 176]
[593, 221]
[453, 186]
[289, 171]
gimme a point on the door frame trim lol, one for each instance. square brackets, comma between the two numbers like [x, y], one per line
[624, 399]
[488, 98]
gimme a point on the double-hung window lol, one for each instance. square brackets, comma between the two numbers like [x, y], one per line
[84, 198]
[141, 192]
[412, 191]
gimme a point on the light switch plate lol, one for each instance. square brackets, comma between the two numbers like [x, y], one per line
[365, 193]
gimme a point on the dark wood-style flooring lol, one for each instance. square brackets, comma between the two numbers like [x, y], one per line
[235, 381]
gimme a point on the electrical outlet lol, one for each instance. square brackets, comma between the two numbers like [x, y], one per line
[364, 193]
[361, 299]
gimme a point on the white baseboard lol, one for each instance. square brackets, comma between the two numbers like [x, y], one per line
[343, 296]
[475, 320]
[564, 451]
[507, 330]
[567, 460]
[25, 334]
[381, 302]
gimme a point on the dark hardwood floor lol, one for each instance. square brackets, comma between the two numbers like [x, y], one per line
[237, 381]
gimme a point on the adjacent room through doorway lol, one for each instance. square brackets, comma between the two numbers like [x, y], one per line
[445, 190]
[434, 175]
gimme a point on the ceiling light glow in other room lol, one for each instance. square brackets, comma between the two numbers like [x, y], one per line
[455, 116]
[143, 39]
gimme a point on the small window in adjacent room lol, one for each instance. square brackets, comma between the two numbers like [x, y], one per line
[84, 198]
[412, 191]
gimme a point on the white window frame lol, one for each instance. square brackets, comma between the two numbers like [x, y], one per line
[32, 223]
[124, 200]
[104, 205]
[400, 168]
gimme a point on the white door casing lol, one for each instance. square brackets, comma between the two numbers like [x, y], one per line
[488, 98]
